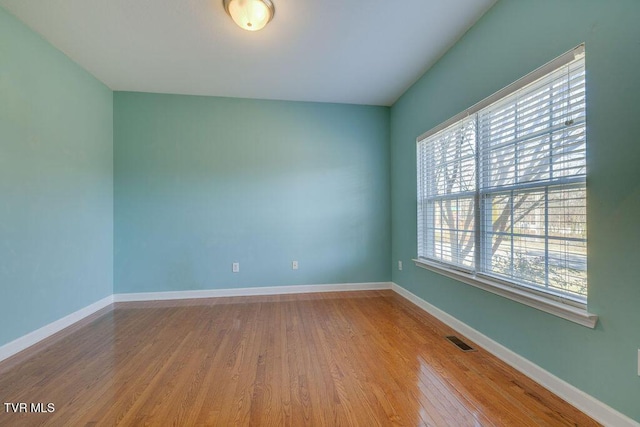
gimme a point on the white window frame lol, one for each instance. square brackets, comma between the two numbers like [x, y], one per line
[559, 305]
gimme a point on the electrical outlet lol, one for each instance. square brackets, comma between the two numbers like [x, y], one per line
[294, 265]
[235, 267]
[400, 265]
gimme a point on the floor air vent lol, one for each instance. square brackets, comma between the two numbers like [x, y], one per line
[460, 344]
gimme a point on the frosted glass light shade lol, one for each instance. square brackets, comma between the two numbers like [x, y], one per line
[251, 15]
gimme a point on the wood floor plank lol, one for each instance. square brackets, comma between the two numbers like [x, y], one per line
[352, 358]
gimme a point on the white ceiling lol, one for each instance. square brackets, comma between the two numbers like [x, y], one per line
[345, 51]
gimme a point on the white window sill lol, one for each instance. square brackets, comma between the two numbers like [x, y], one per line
[565, 311]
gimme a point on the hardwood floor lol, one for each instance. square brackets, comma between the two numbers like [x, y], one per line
[353, 358]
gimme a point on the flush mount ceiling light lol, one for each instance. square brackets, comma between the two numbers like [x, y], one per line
[251, 15]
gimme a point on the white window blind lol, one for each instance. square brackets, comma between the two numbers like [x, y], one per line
[502, 188]
[446, 198]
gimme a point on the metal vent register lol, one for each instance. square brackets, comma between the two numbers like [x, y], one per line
[459, 343]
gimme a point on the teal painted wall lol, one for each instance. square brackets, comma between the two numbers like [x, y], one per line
[56, 191]
[513, 38]
[201, 182]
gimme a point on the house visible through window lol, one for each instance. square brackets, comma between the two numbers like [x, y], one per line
[502, 186]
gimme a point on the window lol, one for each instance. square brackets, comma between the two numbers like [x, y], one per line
[502, 186]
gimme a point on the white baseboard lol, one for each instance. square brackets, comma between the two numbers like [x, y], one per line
[46, 331]
[588, 404]
[231, 292]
